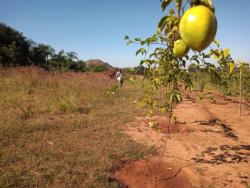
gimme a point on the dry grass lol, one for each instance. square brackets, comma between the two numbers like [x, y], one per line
[61, 130]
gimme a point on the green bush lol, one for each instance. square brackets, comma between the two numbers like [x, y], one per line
[97, 68]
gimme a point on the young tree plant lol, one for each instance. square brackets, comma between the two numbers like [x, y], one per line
[188, 28]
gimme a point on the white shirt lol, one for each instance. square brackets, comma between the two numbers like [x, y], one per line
[119, 75]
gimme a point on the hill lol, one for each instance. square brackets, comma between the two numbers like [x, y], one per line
[98, 62]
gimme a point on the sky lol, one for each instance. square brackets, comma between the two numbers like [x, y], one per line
[95, 29]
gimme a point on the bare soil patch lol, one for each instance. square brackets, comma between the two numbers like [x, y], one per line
[153, 173]
[215, 140]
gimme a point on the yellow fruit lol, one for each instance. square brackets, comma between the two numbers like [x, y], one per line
[180, 48]
[198, 27]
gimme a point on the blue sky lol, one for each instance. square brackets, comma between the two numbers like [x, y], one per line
[96, 28]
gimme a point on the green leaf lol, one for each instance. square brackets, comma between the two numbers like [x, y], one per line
[171, 12]
[141, 50]
[129, 42]
[137, 39]
[148, 62]
[143, 42]
[148, 41]
[195, 58]
[217, 42]
[216, 57]
[231, 67]
[178, 5]
[240, 64]
[211, 68]
[183, 63]
[226, 52]
[153, 54]
[162, 23]
[178, 97]
[216, 53]
[126, 37]
[164, 4]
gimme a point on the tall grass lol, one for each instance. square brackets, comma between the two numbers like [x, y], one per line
[61, 130]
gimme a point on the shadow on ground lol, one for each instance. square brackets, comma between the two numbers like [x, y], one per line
[228, 131]
[224, 154]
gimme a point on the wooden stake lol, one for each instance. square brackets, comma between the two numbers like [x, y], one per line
[240, 91]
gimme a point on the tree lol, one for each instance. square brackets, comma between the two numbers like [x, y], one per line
[167, 72]
[14, 47]
[79, 66]
[41, 54]
[72, 56]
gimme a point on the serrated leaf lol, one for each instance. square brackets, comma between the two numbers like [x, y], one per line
[164, 4]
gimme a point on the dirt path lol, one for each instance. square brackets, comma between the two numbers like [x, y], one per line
[212, 148]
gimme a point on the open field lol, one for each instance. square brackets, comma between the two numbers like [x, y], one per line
[62, 130]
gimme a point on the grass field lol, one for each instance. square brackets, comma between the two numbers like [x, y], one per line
[61, 130]
[77, 130]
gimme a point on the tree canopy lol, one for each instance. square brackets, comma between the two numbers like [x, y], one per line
[18, 50]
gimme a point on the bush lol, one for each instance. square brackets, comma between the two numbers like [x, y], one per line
[97, 68]
[78, 66]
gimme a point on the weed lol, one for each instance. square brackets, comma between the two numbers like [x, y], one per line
[67, 104]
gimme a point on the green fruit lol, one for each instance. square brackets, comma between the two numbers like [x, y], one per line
[198, 27]
[180, 48]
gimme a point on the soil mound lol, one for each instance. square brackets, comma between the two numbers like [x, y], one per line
[153, 173]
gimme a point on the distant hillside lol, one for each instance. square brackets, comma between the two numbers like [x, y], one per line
[98, 62]
[135, 70]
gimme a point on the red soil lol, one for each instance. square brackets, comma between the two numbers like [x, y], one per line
[213, 146]
[153, 173]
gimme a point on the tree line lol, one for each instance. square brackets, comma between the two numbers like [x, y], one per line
[18, 50]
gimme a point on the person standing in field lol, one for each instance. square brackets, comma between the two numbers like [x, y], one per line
[119, 77]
